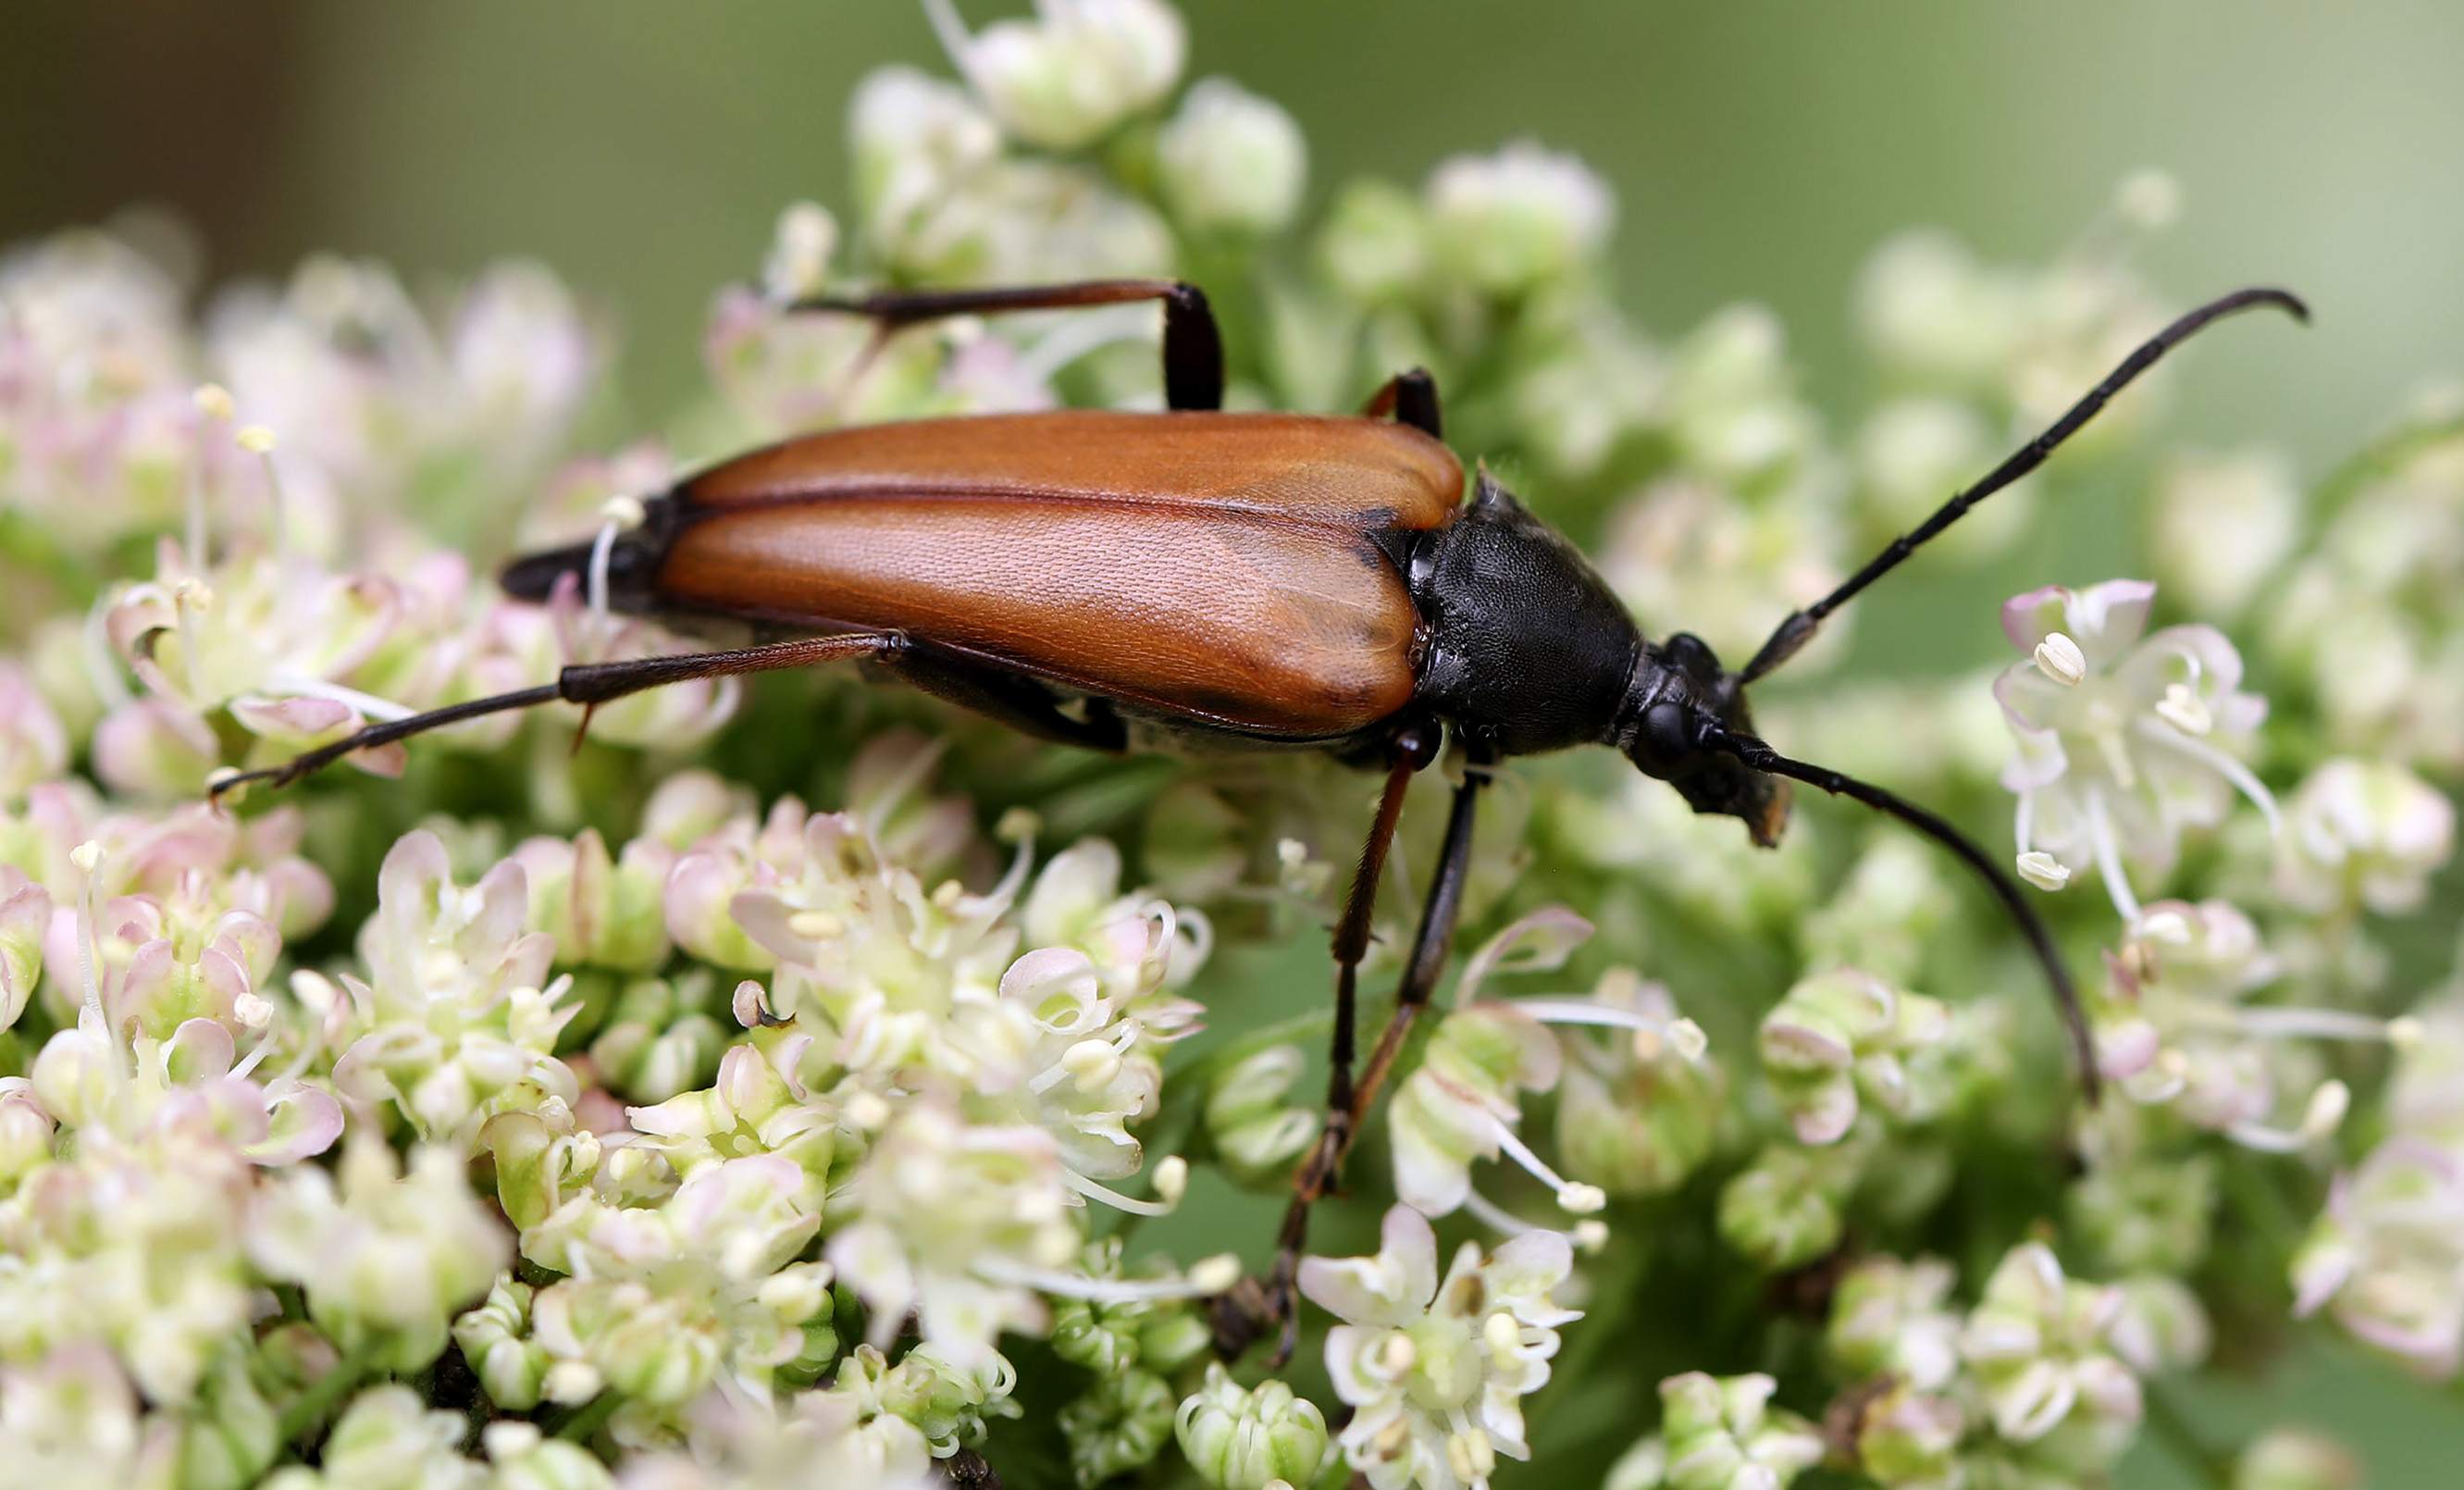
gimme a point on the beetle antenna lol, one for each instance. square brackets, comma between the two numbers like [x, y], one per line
[1758, 756]
[1799, 628]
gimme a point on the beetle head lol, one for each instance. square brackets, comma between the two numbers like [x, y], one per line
[1681, 698]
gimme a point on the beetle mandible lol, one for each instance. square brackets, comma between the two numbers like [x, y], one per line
[1253, 580]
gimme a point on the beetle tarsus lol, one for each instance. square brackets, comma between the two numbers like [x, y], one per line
[1410, 397]
[1193, 345]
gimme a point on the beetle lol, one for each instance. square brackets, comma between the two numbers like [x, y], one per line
[1228, 581]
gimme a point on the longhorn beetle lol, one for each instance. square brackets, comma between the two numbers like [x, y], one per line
[1248, 581]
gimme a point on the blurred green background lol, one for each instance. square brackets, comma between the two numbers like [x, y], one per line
[1759, 149]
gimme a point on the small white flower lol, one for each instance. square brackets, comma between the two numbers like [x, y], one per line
[2297, 1458]
[1890, 1316]
[801, 246]
[1436, 1371]
[1840, 1034]
[959, 1224]
[2039, 1345]
[1722, 1435]
[2113, 765]
[1066, 78]
[1509, 222]
[2369, 832]
[1232, 161]
[385, 1258]
[1242, 1439]
[2387, 1255]
[2222, 523]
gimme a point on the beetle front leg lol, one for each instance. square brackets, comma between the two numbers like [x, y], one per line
[1192, 345]
[1347, 1102]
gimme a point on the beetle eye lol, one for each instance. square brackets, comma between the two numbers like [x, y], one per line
[1665, 741]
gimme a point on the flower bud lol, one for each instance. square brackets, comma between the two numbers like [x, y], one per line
[1120, 1424]
[233, 1432]
[1639, 1115]
[1837, 1035]
[1231, 162]
[1722, 1435]
[388, 1437]
[1509, 222]
[387, 1261]
[2366, 830]
[603, 913]
[154, 749]
[2222, 523]
[1257, 1134]
[24, 915]
[2297, 1458]
[1909, 1439]
[2145, 1217]
[2161, 1326]
[495, 1340]
[1240, 1440]
[1374, 246]
[33, 744]
[25, 1130]
[798, 263]
[523, 1459]
[1785, 1208]
[1889, 1315]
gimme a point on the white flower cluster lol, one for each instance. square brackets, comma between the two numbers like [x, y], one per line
[753, 1148]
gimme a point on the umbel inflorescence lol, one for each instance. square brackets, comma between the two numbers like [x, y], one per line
[805, 1084]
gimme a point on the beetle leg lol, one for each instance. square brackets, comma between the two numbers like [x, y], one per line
[1410, 398]
[1348, 1104]
[1192, 346]
[589, 684]
[1008, 698]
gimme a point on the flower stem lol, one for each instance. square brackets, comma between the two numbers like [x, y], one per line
[587, 1417]
[310, 1409]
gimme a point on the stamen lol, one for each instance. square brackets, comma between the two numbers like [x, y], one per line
[259, 441]
[303, 686]
[2042, 870]
[101, 666]
[1572, 1194]
[1588, 1235]
[1079, 334]
[1162, 1206]
[2060, 658]
[2276, 1022]
[1212, 1276]
[2183, 709]
[619, 512]
[2223, 765]
[2108, 859]
[2321, 1117]
[87, 857]
[213, 405]
[1683, 1035]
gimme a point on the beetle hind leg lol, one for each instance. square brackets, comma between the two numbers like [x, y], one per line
[1193, 345]
[1410, 398]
